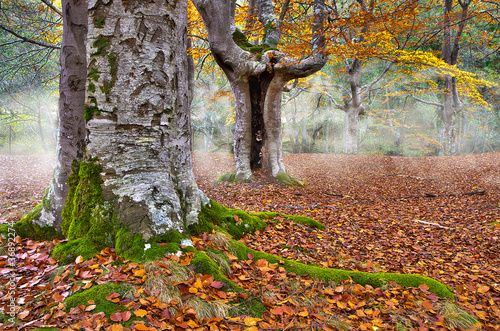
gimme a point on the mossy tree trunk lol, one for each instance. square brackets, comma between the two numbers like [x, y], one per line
[71, 133]
[258, 75]
[137, 172]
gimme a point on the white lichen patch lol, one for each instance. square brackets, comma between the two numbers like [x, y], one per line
[187, 242]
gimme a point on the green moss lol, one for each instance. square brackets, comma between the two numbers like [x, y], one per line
[241, 40]
[4, 230]
[306, 220]
[113, 65]
[218, 215]
[91, 109]
[288, 180]
[99, 22]
[336, 275]
[264, 215]
[102, 44]
[47, 204]
[98, 294]
[93, 75]
[92, 87]
[26, 228]
[67, 252]
[88, 215]
[228, 177]
[203, 264]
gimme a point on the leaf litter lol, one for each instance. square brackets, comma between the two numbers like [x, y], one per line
[368, 228]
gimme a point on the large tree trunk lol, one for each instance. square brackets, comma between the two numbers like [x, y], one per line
[138, 111]
[71, 133]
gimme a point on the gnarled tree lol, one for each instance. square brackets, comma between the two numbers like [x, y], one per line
[258, 75]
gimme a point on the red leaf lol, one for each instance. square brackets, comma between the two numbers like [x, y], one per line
[216, 284]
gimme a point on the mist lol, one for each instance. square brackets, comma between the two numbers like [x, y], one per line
[28, 122]
[394, 122]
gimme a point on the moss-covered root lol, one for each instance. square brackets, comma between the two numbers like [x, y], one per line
[203, 264]
[363, 278]
[98, 294]
[232, 221]
[288, 180]
[306, 221]
[26, 228]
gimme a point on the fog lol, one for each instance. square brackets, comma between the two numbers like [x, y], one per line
[394, 123]
[28, 122]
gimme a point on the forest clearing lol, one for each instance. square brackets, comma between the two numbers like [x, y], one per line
[432, 216]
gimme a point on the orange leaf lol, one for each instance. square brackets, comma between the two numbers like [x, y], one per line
[427, 305]
[277, 311]
[116, 327]
[216, 284]
[193, 290]
[423, 287]
[79, 259]
[304, 313]
[141, 327]
[140, 312]
[139, 273]
[23, 315]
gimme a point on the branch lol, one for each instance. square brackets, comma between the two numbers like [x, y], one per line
[434, 224]
[51, 6]
[427, 102]
[369, 88]
[28, 40]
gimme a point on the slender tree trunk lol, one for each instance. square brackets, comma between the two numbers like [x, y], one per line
[351, 131]
[243, 129]
[272, 120]
[138, 111]
[71, 133]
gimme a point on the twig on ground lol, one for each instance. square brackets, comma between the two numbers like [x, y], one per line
[408, 176]
[433, 224]
[432, 195]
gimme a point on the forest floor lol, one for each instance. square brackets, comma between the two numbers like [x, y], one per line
[434, 216]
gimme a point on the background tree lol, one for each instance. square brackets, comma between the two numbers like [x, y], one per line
[258, 75]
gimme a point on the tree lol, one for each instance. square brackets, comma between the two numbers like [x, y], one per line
[371, 32]
[72, 131]
[258, 75]
[29, 44]
[136, 171]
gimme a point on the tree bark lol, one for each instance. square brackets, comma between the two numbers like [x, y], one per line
[138, 100]
[71, 133]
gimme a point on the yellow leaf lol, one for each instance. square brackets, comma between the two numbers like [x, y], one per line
[79, 259]
[198, 284]
[251, 321]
